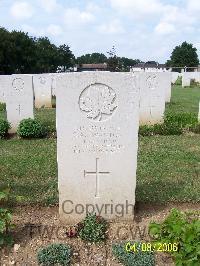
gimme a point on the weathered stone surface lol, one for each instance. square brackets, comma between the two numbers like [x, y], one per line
[3, 80]
[97, 142]
[19, 99]
[152, 98]
[42, 90]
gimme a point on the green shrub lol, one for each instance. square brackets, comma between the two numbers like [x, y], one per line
[160, 129]
[183, 229]
[181, 119]
[194, 83]
[146, 130]
[5, 219]
[30, 128]
[55, 254]
[174, 124]
[93, 229]
[4, 127]
[138, 258]
[178, 81]
[167, 129]
[2, 106]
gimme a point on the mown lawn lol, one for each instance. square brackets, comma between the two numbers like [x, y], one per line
[168, 169]
[168, 166]
[184, 100]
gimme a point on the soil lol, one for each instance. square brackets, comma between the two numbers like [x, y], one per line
[37, 227]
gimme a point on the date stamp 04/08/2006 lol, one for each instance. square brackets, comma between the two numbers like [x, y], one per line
[148, 247]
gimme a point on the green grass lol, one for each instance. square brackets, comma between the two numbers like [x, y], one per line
[184, 100]
[48, 117]
[168, 169]
[29, 167]
[168, 166]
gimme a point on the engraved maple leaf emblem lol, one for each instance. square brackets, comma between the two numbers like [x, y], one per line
[98, 101]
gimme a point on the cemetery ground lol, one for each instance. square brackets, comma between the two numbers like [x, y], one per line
[168, 176]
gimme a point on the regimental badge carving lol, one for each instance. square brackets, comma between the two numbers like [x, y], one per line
[42, 80]
[152, 82]
[18, 84]
[98, 102]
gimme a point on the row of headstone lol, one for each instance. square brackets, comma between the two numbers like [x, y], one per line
[97, 134]
[154, 88]
[187, 77]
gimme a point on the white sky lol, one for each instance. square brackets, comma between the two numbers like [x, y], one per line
[143, 29]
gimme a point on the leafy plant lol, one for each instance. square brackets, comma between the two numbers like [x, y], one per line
[146, 130]
[55, 254]
[93, 229]
[4, 127]
[178, 81]
[31, 128]
[5, 219]
[194, 83]
[2, 106]
[181, 119]
[174, 124]
[183, 229]
[138, 258]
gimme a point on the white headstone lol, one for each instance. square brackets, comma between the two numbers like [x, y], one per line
[97, 142]
[167, 84]
[186, 79]
[152, 98]
[3, 80]
[53, 84]
[42, 90]
[175, 76]
[19, 99]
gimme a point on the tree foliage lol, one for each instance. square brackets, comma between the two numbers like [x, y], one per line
[115, 63]
[20, 53]
[23, 54]
[184, 55]
[94, 58]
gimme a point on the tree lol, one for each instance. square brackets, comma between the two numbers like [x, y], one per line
[94, 58]
[114, 63]
[184, 55]
[22, 52]
[126, 63]
[65, 57]
[6, 52]
[47, 56]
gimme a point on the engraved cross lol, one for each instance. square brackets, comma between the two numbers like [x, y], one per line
[96, 173]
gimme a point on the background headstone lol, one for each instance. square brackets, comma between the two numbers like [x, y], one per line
[53, 83]
[167, 84]
[186, 79]
[188, 76]
[19, 99]
[175, 76]
[97, 141]
[42, 90]
[152, 98]
[3, 80]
